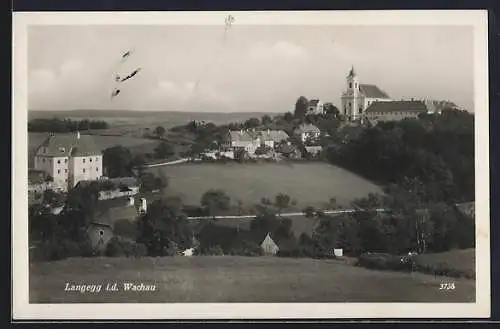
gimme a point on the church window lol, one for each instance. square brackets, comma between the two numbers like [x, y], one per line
[350, 85]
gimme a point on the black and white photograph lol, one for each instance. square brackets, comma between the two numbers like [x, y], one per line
[250, 164]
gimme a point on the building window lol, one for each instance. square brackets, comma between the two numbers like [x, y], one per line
[350, 85]
[83, 169]
[58, 171]
[66, 170]
[58, 161]
[83, 160]
[90, 159]
[96, 169]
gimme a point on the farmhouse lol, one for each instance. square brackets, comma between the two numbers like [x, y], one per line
[110, 218]
[307, 132]
[39, 181]
[121, 186]
[251, 140]
[69, 159]
[315, 106]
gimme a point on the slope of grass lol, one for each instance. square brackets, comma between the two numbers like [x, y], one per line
[236, 279]
[308, 183]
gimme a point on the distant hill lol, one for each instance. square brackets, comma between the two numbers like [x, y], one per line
[175, 116]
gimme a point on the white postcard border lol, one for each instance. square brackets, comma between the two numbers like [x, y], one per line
[23, 310]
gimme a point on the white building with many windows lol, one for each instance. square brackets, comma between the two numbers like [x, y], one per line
[69, 159]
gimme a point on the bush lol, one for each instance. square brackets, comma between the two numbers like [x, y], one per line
[118, 247]
[381, 261]
[213, 251]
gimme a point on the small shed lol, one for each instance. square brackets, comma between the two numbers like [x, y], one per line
[268, 246]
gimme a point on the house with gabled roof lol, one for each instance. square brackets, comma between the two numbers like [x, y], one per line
[250, 140]
[307, 132]
[68, 159]
[108, 219]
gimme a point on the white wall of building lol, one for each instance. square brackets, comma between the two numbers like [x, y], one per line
[85, 168]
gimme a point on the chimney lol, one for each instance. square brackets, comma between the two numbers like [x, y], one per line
[131, 201]
[144, 205]
[77, 134]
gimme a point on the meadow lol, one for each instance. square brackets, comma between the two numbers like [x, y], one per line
[311, 184]
[237, 279]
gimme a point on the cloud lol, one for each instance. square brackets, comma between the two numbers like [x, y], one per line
[278, 51]
[51, 88]
[185, 96]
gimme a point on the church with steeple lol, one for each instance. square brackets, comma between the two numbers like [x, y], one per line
[357, 97]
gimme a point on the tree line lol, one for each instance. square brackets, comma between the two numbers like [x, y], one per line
[436, 151]
[56, 125]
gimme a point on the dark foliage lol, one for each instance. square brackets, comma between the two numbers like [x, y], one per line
[56, 125]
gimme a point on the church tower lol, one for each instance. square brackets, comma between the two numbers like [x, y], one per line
[351, 98]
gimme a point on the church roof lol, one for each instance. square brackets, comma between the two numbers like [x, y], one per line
[63, 145]
[372, 91]
[397, 106]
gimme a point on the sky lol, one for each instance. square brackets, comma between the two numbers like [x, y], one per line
[247, 68]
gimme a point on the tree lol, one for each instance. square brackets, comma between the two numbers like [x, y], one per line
[164, 150]
[116, 161]
[159, 131]
[266, 120]
[301, 106]
[215, 200]
[282, 202]
[149, 182]
[331, 111]
[288, 117]
[252, 123]
[165, 229]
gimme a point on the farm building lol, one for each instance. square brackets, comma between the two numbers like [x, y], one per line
[307, 132]
[39, 181]
[113, 217]
[315, 106]
[122, 186]
[251, 140]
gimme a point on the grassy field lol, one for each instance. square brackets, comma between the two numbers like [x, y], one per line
[308, 183]
[463, 262]
[237, 279]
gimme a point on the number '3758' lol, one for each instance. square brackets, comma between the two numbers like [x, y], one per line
[447, 286]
